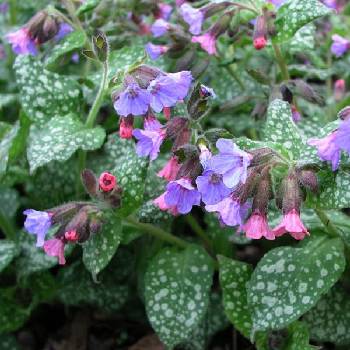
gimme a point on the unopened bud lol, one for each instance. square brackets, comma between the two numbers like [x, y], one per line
[143, 75]
[260, 32]
[339, 89]
[90, 182]
[107, 182]
[197, 104]
[191, 168]
[291, 193]
[77, 229]
[126, 127]
[263, 192]
[64, 212]
[100, 46]
[175, 126]
[304, 90]
[42, 27]
[308, 179]
[287, 95]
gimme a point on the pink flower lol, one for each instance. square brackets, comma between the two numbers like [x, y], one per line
[107, 182]
[22, 43]
[260, 43]
[55, 247]
[71, 236]
[207, 42]
[126, 127]
[170, 169]
[296, 116]
[257, 227]
[291, 224]
[160, 203]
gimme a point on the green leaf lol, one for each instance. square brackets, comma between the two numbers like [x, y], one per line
[289, 281]
[329, 320]
[280, 128]
[72, 41]
[8, 134]
[234, 275]
[294, 14]
[45, 95]
[303, 40]
[9, 201]
[177, 286]
[87, 6]
[100, 249]
[299, 337]
[8, 250]
[59, 139]
[8, 342]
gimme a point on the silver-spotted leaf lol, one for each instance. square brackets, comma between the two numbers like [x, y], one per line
[177, 291]
[8, 250]
[289, 281]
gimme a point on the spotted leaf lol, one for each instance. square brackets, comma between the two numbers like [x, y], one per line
[9, 201]
[177, 286]
[100, 249]
[289, 281]
[294, 14]
[8, 250]
[43, 94]
[299, 337]
[329, 320]
[8, 134]
[59, 139]
[72, 41]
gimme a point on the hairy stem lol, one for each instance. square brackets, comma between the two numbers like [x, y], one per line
[281, 62]
[157, 232]
[331, 229]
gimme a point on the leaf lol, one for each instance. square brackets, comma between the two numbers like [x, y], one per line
[59, 139]
[329, 320]
[8, 134]
[8, 250]
[294, 14]
[234, 275]
[280, 128]
[100, 249]
[289, 281]
[45, 95]
[303, 40]
[299, 337]
[70, 42]
[177, 286]
[87, 6]
[8, 342]
[9, 201]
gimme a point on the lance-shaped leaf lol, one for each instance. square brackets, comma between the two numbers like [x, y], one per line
[59, 139]
[294, 14]
[86, 6]
[43, 94]
[289, 281]
[177, 290]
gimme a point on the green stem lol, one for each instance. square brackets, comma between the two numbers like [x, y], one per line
[198, 230]
[13, 12]
[281, 62]
[331, 229]
[68, 4]
[7, 227]
[157, 232]
[99, 98]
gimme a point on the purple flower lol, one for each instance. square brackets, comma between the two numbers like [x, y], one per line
[342, 138]
[150, 139]
[22, 43]
[204, 156]
[37, 223]
[211, 187]
[207, 42]
[333, 4]
[154, 51]
[63, 30]
[231, 212]
[159, 27]
[163, 91]
[133, 100]
[180, 194]
[206, 92]
[4, 7]
[231, 163]
[183, 81]
[193, 17]
[340, 45]
[277, 3]
[327, 149]
[164, 11]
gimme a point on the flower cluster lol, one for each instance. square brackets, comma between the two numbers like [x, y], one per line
[73, 222]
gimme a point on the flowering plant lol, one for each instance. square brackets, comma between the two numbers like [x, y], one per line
[174, 174]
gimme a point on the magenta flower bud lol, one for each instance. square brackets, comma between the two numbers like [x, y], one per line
[126, 127]
[291, 224]
[260, 32]
[107, 182]
[339, 89]
[170, 170]
[257, 227]
[55, 247]
[71, 236]
[155, 51]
